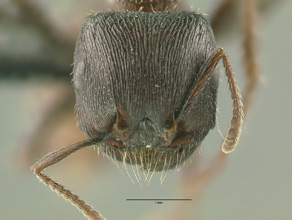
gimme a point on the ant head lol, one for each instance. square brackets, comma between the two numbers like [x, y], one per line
[145, 92]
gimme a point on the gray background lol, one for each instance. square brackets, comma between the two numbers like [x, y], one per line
[256, 183]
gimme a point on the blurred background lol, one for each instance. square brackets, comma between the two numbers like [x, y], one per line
[35, 66]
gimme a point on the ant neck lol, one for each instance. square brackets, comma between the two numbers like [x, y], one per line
[148, 5]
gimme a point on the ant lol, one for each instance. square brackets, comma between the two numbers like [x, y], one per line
[150, 126]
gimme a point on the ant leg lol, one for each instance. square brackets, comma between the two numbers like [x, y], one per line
[32, 14]
[230, 9]
[222, 15]
[249, 46]
[56, 157]
[53, 115]
[227, 16]
[193, 184]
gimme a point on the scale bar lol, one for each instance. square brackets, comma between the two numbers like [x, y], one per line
[159, 199]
